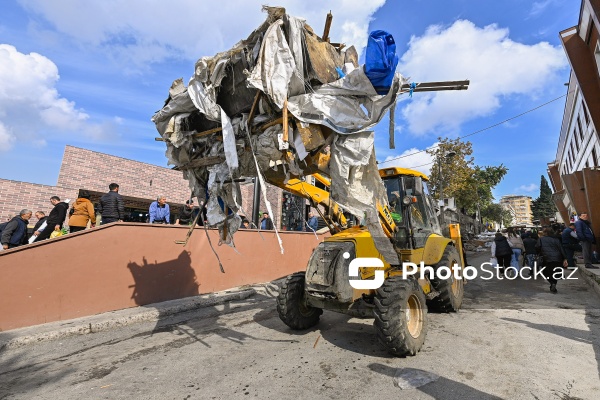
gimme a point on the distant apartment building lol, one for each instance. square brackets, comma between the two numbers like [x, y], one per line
[519, 208]
[574, 173]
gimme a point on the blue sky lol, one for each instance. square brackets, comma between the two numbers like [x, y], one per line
[91, 74]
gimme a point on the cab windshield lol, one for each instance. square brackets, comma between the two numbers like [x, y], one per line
[419, 214]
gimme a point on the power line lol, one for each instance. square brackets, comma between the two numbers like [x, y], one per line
[479, 131]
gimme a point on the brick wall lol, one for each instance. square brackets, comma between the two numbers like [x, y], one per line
[139, 182]
[15, 195]
[95, 171]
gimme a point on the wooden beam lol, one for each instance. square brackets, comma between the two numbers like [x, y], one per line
[285, 121]
[203, 162]
[328, 20]
[254, 106]
[206, 133]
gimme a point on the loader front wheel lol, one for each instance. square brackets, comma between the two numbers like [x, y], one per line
[291, 304]
[401, 316]
[451, 290]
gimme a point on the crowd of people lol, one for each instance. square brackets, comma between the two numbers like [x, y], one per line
[110, 208]
[547, 251]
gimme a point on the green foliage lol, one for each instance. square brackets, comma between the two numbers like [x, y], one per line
[457, 176]
[494, 212]
[543, 206]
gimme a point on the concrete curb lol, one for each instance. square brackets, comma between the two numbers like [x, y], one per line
[591, 277]
[114, 319]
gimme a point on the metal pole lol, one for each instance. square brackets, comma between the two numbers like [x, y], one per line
[256, 201]
[442, 219]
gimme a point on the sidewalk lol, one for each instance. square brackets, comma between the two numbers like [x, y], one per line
[115, 319]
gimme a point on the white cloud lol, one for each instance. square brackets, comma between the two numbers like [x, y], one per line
[30, 105]
[7, 139]
[496, 66]
[414, 158]
[532, 187]
[142, 31]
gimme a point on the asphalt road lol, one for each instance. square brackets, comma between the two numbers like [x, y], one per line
[512, 340]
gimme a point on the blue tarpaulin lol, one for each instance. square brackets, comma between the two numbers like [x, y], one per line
[381, 60]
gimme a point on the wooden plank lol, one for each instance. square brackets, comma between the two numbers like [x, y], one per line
[253, 109]
[312, 136]
[285, 121]
[328, 20]
[203, 162]
[208, 132]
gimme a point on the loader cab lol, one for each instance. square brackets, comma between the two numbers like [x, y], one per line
[411, 207]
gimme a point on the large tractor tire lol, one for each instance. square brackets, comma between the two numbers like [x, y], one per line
[451, 290]
[291, 304]
[401, 316]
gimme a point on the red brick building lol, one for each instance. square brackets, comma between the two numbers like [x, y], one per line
[139, 184]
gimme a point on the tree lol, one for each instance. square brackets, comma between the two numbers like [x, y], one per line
[469, 184]
[456, 171]
[494, 212]
[543, 207]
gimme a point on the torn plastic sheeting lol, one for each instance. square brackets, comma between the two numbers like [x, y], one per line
[180, 103]
[299, 144]
[339, 109]
[275, 69]
[229, 145]
[357, 187]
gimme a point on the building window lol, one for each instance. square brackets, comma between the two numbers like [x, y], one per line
[576, 136]
[594, 157]
[597, 55]
[580, 128]
[585, 114]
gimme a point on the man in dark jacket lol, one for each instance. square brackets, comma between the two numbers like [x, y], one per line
[554, 256]
[55, 219]
[41, 217]
[570, 243]
[111, 205]
[265, 223]
[530, 250]
[14, 233]
[586, 237]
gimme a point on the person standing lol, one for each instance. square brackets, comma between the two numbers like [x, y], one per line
[41, 218]
[55, 219]
[570, 243]
[313, 222]
[266, 224]
[554, 256]
[159, 211]
[502, 251]
[530, 251]
[83, 212]
[515, 241]
[14, 233]
[111, 205]
[186, 213]
[586, 237]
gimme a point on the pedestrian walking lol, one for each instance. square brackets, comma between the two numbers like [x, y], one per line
[516, 243]
[266, 224]
[530, 251]
[111, 206]
[570, 243]
[502, 251]
[159, 211]
[586, 237]
[553, 255]
[83, 212]
[14, 232]
[55, 219]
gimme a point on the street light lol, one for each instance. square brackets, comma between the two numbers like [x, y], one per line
[446, 158]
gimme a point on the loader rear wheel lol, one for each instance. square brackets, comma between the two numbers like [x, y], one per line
[401, 316]
[291, 304]
[451, 290]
